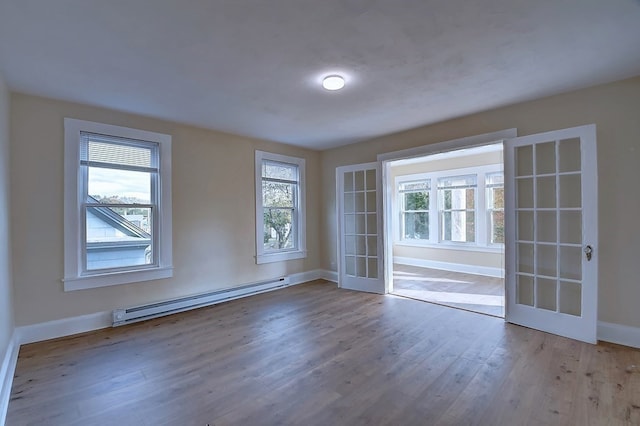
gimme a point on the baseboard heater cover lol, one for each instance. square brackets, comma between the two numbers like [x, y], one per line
[155, 310]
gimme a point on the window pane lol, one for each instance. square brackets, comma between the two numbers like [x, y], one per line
[470, 199]
[276, 194]
[416, 226]
[275, 170]
[423, 185]
[456, 199]
[458, 226]
[107, 150]
[495, 179]
[278, 229]
[497, 227]
[457, 181]
[496, 198]
[416, 201]
[118, 237]
[113, 186]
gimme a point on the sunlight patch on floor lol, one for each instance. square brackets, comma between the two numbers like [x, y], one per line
[446, 297]
[432, 279]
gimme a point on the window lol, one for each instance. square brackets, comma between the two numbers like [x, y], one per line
[455, 208]
[280, 203]
[414, 210]
[495, 206]
[457, 201]
[117, 205]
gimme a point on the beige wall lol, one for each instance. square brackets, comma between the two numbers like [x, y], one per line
[490, 259]
[477, 257]
[6, 297]
[614, 108]
[213, 212]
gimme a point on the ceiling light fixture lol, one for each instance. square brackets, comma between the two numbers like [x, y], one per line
[333, 82]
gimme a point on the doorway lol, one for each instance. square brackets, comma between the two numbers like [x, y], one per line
[446, 228]
[550, 232]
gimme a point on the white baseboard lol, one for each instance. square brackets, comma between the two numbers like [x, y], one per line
[7, 370]
[316, 274]
[304, 277]
[63, 327]
[330, 276]
[449, 266]
[620, 334]
[80, 324]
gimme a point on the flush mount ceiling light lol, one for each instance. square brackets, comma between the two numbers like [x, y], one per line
[333, 82]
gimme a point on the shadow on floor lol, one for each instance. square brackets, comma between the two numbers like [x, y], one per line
[477, 293]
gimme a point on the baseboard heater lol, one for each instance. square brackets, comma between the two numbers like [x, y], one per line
[155, 310]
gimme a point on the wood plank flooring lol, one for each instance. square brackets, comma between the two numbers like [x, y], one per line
[475, 293]
[317, 355]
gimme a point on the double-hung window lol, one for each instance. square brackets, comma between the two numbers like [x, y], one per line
[414, 209]
[280, 204]
[454, 208]
[117, 205]
[495, 206]
[457, 201]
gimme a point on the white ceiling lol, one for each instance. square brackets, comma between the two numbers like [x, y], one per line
[253, 67]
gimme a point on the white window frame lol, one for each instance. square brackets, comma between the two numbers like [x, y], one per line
[299, 221]
[442, 210]
[75, 277]
[401, 204]
[482, 238]
[491, 210]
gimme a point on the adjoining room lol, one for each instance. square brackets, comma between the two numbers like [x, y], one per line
[448, 228]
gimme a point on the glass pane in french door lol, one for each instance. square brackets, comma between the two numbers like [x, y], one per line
[360, 219]
[549, 226]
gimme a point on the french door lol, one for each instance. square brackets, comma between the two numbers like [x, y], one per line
[359, 201]
[552, 248]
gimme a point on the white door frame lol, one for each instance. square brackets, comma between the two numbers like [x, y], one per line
[422, 151]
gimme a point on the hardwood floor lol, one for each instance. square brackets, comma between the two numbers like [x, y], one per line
[317, 355]
[475, 293]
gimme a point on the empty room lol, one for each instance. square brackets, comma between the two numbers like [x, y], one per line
[345, 212]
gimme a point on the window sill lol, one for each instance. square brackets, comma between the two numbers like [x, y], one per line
[116, 278]
[452, 246]
[280, 256]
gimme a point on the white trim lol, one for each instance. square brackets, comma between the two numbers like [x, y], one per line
[451, 145]
[300, 252]
[303, 277]
[493, 248]
[618, 333]
[74, 278]
[7, 371]
[488, 271]
[330, 276]
[90, 322]
[117, 278]
[281, 256]
[63, 327]
[425, 150]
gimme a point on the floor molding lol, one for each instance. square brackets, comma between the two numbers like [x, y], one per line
[488, 271]
[7, 371]
[63, 327]
[620, 334]
[304, 277]
[316, 274]
[330, 276]
[83, 323]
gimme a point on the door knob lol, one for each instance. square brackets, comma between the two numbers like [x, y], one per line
[588, 250]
